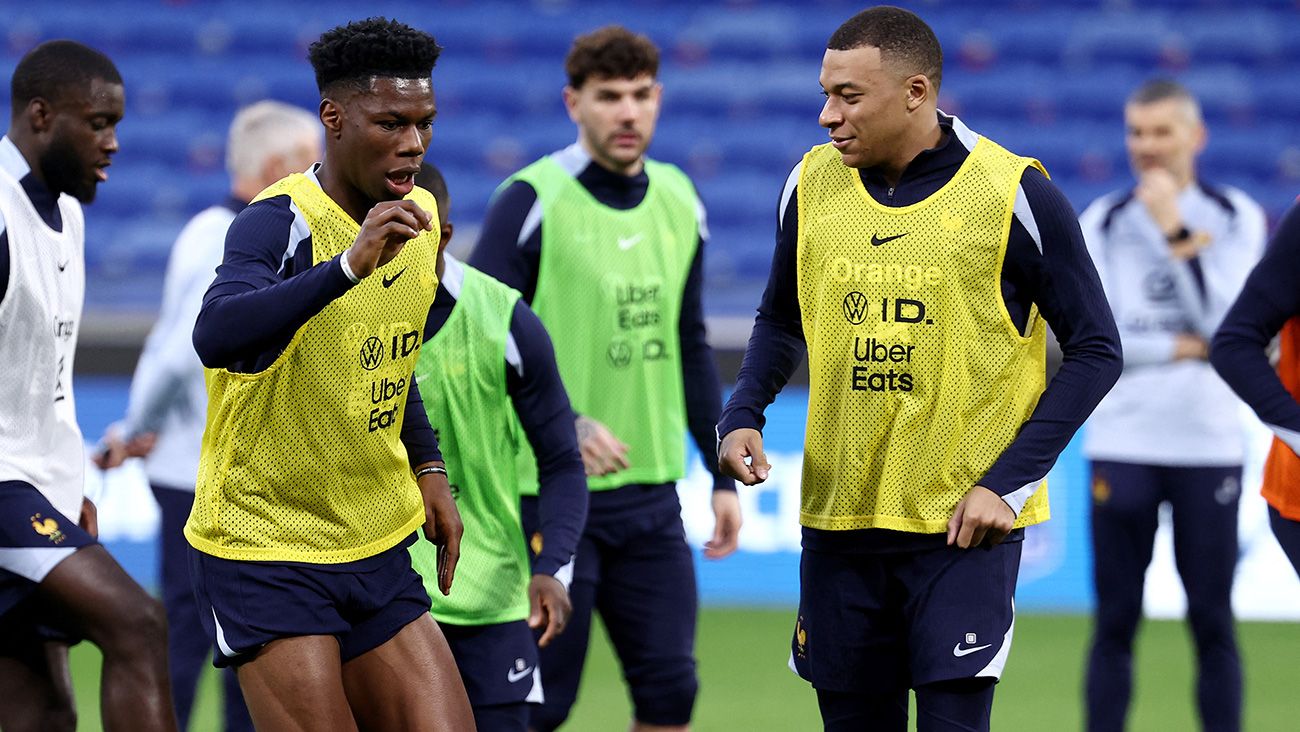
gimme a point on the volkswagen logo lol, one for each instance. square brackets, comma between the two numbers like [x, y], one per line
[855, 307]
[372, 353]
[620, 354]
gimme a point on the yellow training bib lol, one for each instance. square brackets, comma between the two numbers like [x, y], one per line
[918, 378]
[304, 461]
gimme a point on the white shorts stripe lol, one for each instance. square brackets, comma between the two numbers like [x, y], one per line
[994, 669]
[33, 563]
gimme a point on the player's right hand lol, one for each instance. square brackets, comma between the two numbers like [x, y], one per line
[549, 607]
[387, 228]
[442, 525]
[741, 456]
[602, 452]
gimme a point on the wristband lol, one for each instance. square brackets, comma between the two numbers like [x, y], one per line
[429, 471]
[347, 268]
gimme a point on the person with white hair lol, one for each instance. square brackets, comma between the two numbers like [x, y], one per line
[168, 404]
[1173, 251]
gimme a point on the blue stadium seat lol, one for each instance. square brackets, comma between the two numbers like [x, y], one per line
[1045, 77]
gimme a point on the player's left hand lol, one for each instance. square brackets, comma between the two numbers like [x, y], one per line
[726, 526]
[442, 525]
[89, 520]
[981, 517]
[549, 607]
[113, 450]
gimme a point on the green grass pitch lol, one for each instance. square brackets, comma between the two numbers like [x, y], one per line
[745, 684]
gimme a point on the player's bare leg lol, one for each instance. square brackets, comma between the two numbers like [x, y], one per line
[91, 595]
[643, 727]
[409, 683]
[36, 688]
[296, 685]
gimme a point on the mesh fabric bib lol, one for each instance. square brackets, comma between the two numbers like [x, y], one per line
[918, 378]
[462, 379]
[304, 461]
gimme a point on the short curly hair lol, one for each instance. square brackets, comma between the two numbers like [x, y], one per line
[57, 70]
[612, 52]
[353, 54]
[902, 37]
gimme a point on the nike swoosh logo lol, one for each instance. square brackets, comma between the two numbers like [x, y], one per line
[512, 676]
[958, 651]
[64, 265]
[629, 242]
[877, 240]
[388, 281]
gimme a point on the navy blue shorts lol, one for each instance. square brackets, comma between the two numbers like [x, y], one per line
[883, 621]
[35, 537]
[634, 567]
[498, 663]
[245, 605]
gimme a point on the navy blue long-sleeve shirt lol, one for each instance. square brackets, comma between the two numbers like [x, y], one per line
[510, 246]
[1238, 352]
[1046, 264]
[266, 289]
[537, 394]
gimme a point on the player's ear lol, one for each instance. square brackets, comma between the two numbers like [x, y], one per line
[445, 236]
[40, 115]
[331, 115]
[571, 102]
[919, 90]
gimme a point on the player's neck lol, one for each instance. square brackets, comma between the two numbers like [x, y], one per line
[31, 153]
[246, 189]
[352, 201]
[627, 171]
[925, 138]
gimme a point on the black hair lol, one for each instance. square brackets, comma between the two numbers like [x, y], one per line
[430, 179]
[363, 49]
[612, 52]
[55, 70]
[901, 36]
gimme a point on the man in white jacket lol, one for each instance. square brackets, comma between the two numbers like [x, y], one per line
[168, 405]
[1172, 253]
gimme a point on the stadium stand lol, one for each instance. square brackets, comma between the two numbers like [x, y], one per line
[741, 98]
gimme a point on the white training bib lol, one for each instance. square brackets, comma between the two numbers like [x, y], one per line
[40, 314]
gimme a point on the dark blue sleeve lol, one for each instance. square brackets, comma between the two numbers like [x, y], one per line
[700, 381]
[1270, 297]
[4, 261]
[776, 344]
[1063, 282]
[255, 305]
[544, 411]
[417, 434]
[499, 252]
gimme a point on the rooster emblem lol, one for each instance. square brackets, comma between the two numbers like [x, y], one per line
[48, 527]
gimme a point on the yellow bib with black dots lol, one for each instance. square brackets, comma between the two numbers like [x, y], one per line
[304, 461]
[918, 378]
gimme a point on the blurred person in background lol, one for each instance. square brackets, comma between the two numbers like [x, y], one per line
[58, 585]
[168, 404]
[607, 246]
[1172, 252]
[1268, 306]
[918, 265]
[488, 376]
